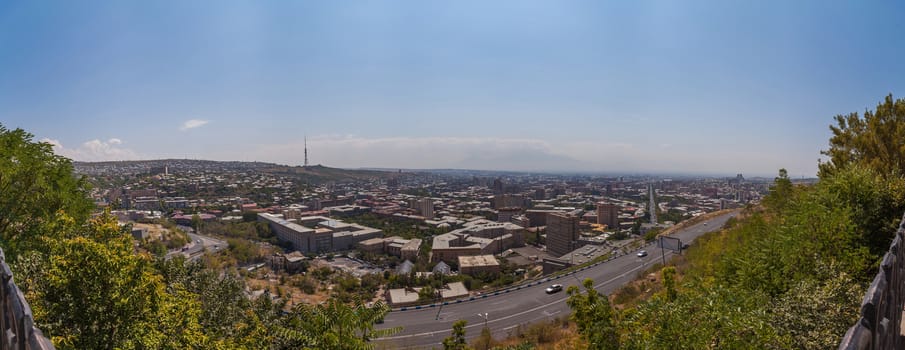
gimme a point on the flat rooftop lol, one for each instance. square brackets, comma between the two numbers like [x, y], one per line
[478, 260]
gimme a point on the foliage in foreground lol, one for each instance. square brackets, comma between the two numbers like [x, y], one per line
[788, 276]
[89, 289]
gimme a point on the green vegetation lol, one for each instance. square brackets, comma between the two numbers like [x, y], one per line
[651, 234]
[332, 325]
[594, 316]
[244, 251]
[254, 231]
[89, 289]
[456, 341]
[673, 215]
[527, 337]
[391, 228]
[791, 273]
[875, 140]
[788, 276]
[35, 187]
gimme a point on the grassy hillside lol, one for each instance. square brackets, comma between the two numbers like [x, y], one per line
[788, 274]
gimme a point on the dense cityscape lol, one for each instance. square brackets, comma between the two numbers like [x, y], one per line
[483, 231]
[456, 175]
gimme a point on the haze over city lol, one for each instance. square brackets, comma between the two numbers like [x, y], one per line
[705, 87]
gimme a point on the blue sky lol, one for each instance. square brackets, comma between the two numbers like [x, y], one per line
[714, 87]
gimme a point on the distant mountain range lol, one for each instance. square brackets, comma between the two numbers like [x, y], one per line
[313, 173]
[320, 173]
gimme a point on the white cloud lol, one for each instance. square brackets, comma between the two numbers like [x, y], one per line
[94, 150]
[193, 123]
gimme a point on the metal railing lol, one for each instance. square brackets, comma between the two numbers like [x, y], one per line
[881, 309]
[17, 329]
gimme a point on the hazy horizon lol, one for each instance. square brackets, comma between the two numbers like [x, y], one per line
[614, 173]
[656, 87]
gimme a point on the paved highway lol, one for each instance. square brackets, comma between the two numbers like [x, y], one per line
[423, 329]
[196, 247]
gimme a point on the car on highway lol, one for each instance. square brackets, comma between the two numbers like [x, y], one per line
[554, 288]
[642, 253]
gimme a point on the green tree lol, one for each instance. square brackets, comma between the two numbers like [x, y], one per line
[781, 192]
[669, 282]
[427, 293]
[594, 316]
[91, 291]
[456, 340]
[875, 140]
[815, 312]
[332, 325]
[35, 184]
[196, 223]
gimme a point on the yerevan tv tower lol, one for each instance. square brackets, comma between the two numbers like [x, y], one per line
[306, 151]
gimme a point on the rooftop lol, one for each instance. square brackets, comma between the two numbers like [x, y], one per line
[478, 260]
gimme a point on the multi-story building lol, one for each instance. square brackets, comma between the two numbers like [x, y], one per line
[540, 194]
[145, 199]
[424, 206]
[472, 265]
[511, 201]
[506, 214]
[608, 214]
[562, 233]
[288, 231]
[317, 234]
[396, 246]
[478, 237]
[176, 202]
[292, 214]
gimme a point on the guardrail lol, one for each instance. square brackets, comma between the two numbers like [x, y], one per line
[525, 284]
[879, 326]
[558, 274]
[17, 329]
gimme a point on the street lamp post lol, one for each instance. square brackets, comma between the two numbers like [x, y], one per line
[486, 316]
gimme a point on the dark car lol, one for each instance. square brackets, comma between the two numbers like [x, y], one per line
[554, 288]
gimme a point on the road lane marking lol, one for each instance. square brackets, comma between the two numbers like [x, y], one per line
[651, 261]
[481, 324]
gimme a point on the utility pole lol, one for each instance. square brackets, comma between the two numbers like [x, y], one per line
[653, 204]
[486, 316]
[440, 298]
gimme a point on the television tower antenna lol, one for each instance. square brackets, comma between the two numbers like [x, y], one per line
[306, 151]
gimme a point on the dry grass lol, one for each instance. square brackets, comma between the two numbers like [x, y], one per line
[296, 295]
[559, 333]
[155, 231]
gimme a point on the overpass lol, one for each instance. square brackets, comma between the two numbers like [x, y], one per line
[17, 329]
[880, 324]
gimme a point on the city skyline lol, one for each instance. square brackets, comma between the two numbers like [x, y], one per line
[706, 88]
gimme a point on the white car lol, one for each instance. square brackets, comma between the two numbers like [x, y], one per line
[554, 288]
[642, 253]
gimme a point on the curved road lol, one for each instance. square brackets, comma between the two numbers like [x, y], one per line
[423, 329]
